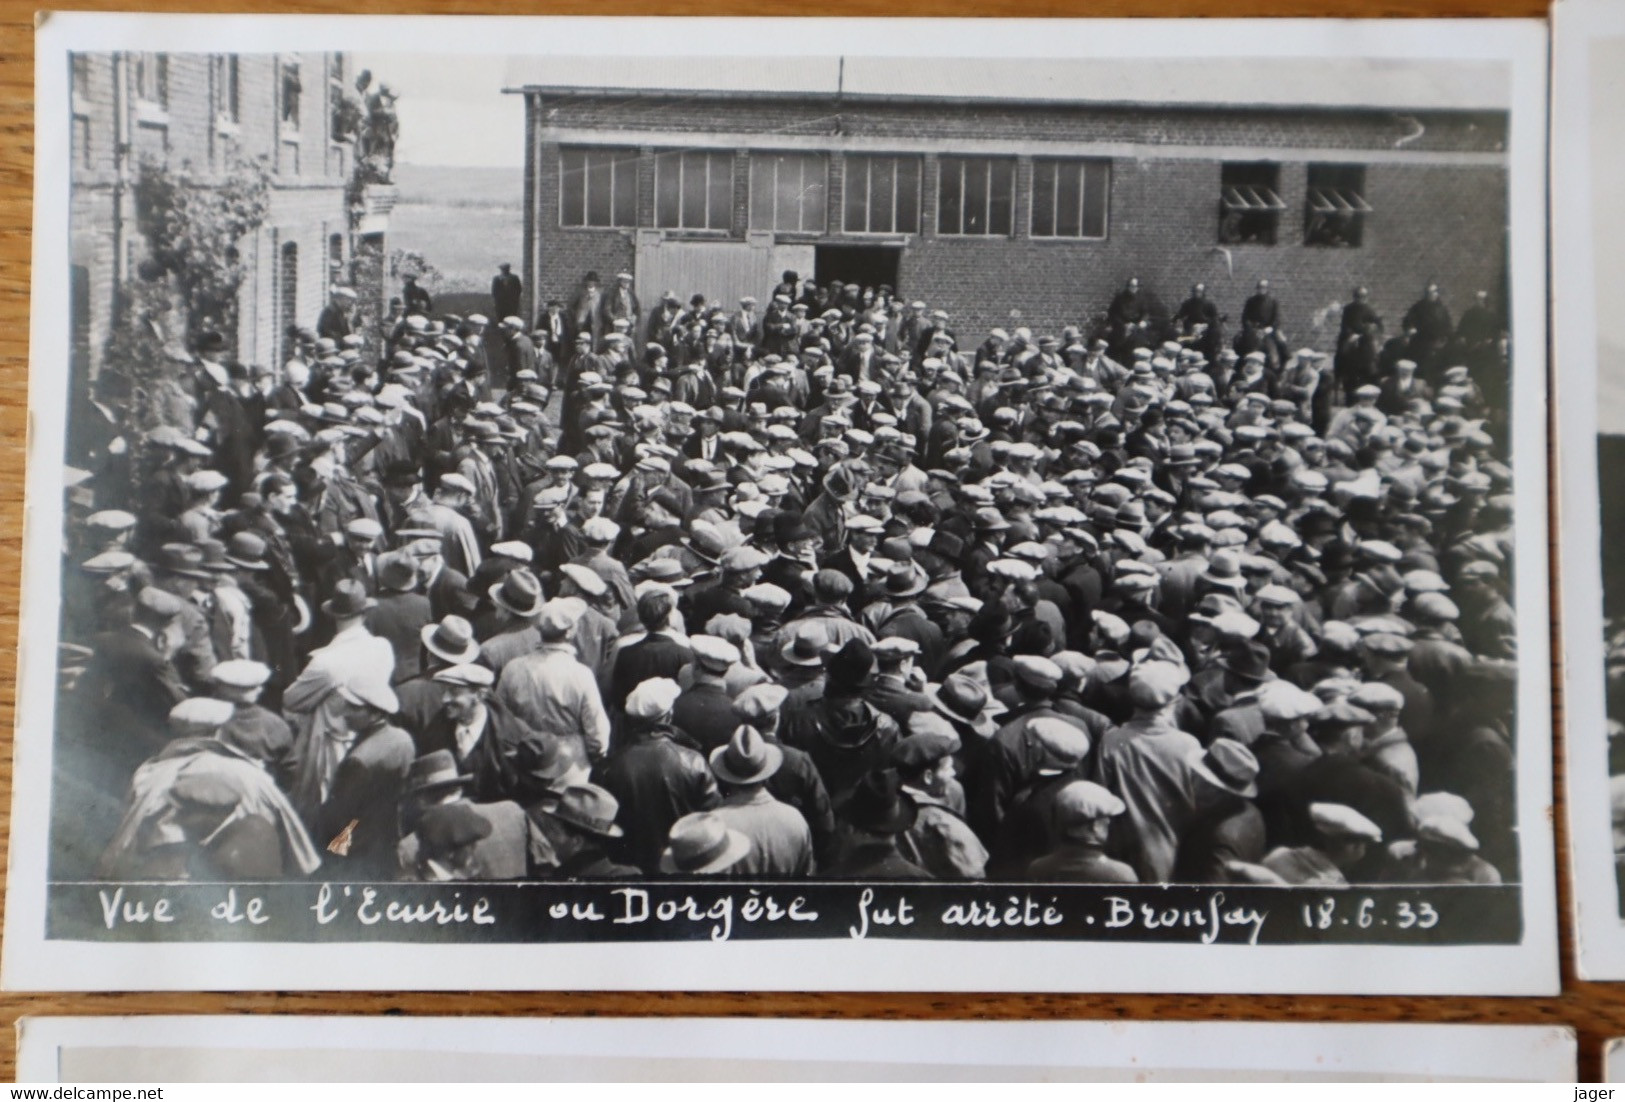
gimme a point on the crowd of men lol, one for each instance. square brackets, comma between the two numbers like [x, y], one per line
[827, 589]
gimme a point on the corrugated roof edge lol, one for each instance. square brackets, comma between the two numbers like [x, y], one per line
[584, 92]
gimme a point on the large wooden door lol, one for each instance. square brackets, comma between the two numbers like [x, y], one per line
[722, 271]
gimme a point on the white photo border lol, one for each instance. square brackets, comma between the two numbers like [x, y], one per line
[1599, 927]
[32, 962]
[953, 1051]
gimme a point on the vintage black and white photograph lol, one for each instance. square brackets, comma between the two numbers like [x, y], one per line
[786, 514]
[382, 1049]
[1589, 276]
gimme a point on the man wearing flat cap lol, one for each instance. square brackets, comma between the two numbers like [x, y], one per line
[939, 841]
[656, 779]
[1340, 776]
[214, 828]
[1444, 851]
[254, 729]
[1016, 749]
[129, 674]
[1029, 826]
[502, 852]
[477, 730]
[1337, 843]
[1082, 813]
[551, 690]
[705, 711]
[1148, 763]
[895, 688]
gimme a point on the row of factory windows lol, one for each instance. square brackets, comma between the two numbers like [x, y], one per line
[1070, 198]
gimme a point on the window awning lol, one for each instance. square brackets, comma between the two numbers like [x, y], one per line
[1245, 197]
[1337, 200]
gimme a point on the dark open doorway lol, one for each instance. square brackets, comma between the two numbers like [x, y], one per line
[865, 265]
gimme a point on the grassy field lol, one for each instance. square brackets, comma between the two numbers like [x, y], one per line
[465, 221]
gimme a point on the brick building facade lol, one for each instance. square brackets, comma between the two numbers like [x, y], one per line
[202, 112]
[986, 207]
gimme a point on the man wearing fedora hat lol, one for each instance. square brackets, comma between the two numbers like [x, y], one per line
[578, 825]
[1237, 671]
[1226, 838]
[702, 844]
[436, 780]
[797, 781]
[905, 619]
[179, 572]
[516, 602]
[314, 705]
[874, 813]
[356, 821]
[401, 612]
[448, 642]
[780, 841]
[845, 735]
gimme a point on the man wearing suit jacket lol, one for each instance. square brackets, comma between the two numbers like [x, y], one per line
[476, 730]
[130, 674]
[621, 304]
[506, 291]
[447, 589]
[661, 328]
[551, 333]
[853, 560]
[358, 824]
[402, 613]
[586, 312]
[861, 361]
[659, 652]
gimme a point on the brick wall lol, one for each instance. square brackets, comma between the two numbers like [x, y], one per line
[188, 131]
[565, 255]
[1430, 220]
[1258, 127]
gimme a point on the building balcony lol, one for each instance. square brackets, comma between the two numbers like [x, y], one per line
[377, 200]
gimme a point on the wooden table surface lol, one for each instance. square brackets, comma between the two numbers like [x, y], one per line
[1595, 1011]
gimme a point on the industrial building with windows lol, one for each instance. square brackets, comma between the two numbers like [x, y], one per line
[1011, 209]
